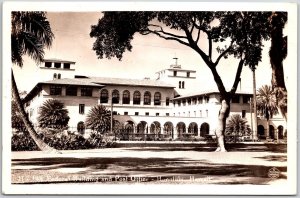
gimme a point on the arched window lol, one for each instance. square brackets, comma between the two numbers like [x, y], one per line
[179, 84]
[182, 85]
[147, 98]
[115, 97]
[136, 97]
[58, 76]
[167, 101]
[126, 97]
[54, 76]
[104, 96]
[157, 98]
[80, 127]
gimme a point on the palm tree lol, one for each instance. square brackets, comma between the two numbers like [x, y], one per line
[30, 34]
[267, 103]
[98, 119]
[237, 126]
[53, 114]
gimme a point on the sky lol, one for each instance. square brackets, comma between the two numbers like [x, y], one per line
[149, 55]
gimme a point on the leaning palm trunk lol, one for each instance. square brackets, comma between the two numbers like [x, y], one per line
[40, 143]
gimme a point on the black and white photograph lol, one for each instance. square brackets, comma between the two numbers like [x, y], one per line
[149, 98]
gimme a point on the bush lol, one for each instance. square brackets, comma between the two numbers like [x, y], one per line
[22, 141]
[62, 141]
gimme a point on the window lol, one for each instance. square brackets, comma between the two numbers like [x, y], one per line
[188, 74]
[200, 113]
[115, 113]
[189, 101]
[126, 97]
[57, 65]
[179, 103]
[236, 99]
[182, 85]
[104, 96]
[184, 102]
[195, 114]
[71, 91]
[167, 114]
[206, 113]
[81, 108]
[189, 114]
[147, 98]
[194, 101]
[137, 97]
[58, 76]
[115, 97]
[167, 101]
[136, 113]
[207, 99]
[125, 113]
[174, 73]
[86, 91]
[54, 76]
[55, 90]
[246, 99]
[179, 85]
[157, 114]
[66, 65]
[200, 99]
[157, 98]
[80, 127]
[48, 64]
[243, 113]
[147, 113]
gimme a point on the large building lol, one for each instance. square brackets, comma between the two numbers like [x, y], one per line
[146, 108]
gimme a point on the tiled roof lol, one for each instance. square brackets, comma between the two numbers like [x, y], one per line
[127, 82]
[69, 81]
[206, 92]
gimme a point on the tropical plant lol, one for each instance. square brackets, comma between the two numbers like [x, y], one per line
[238, 34]
[266, 103]
[16, 120]
[30, 34]
[237, 126]
[99, 119]
[53, 114]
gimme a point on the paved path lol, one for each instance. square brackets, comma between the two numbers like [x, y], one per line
[149, 165]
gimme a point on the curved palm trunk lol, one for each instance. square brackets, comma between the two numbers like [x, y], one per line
[220, 130]
[40, 143]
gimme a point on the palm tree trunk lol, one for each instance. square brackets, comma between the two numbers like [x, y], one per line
[268, 129]
[40, 143]
[255, 138]
[220, 130]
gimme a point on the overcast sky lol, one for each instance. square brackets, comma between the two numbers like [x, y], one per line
[149, 55]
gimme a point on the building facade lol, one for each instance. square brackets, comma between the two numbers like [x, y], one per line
[147, 109]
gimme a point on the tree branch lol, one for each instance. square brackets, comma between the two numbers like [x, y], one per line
[168, 38]
[167, 33]
[237, 76]
[223, 54]
[194, 46]
[209, 47]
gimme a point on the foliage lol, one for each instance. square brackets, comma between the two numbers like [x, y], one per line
[235, 33]
[53, 114]
[21, 141]
[236, 125]
[266, 102]
[16, 120]
[62, 141]
[98, 119]
[30, 33]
